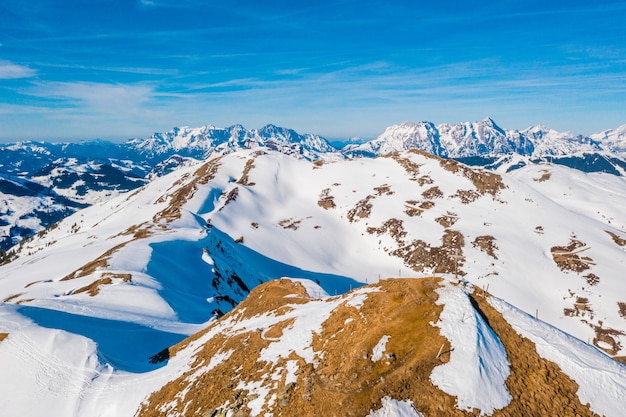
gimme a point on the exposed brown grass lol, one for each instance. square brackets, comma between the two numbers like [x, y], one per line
[486, 244]
[12, 297]
[545, 176]
[93, 289]
[447, 220]
[618, 240]
[361, 210]
[411, 210]
[3, 336]
[485, 182]
[290, 224]
[345, 381]
[245, 175]
[592, 279]
[538, 387]
[178, 198]
[466, 196]
[393, 227]
[605, 336]
[621, 309]
[326, 200]
[411, 168]
[90, 267]
[421, 256]
[567, 257]
[107, 278]
[432, 193]
[384, 189]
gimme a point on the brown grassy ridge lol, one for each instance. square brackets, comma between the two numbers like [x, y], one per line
[3, 336]
[538, 387]
[345, 381]
[178, 198]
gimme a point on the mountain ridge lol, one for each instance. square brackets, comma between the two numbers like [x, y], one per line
[101, 301]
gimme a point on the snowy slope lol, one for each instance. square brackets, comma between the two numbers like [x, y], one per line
[166, 259]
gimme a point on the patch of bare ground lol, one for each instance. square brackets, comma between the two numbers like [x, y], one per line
[245, 178]
[178, 198]
[545, 176]
[421, 256]
[411, 168]
[485, 182]
[138, 231]
[384, 189]
[537, 386]
[326, 200]
[290, 224]
[89, 268]
[580, 307]
[427, 205]
[592, 279]
[486, 244]
[621, 309]
[361, 210]
[93, 289]
[3, 336]
[230, 197]
[10, 298]
[432, 193]
[425, 180]
[605, 339]
[411, 210]
[393, 227]
[618, 240]
[107, 278]
[539, 230]
[447, 220]
[318, 163]
[567, 257]
[466, 196]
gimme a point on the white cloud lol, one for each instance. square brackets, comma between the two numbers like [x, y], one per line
[9, 70]
[105, 98]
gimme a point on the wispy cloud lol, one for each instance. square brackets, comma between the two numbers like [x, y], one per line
[101, 97]
[9, 70]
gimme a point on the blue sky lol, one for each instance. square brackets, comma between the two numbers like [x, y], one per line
[115, 69]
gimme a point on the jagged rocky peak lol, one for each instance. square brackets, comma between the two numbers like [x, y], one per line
[206, 140]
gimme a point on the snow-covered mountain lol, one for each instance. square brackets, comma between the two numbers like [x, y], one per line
[486, 138]
[203, 142]
[97, 310]
[71, 175]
